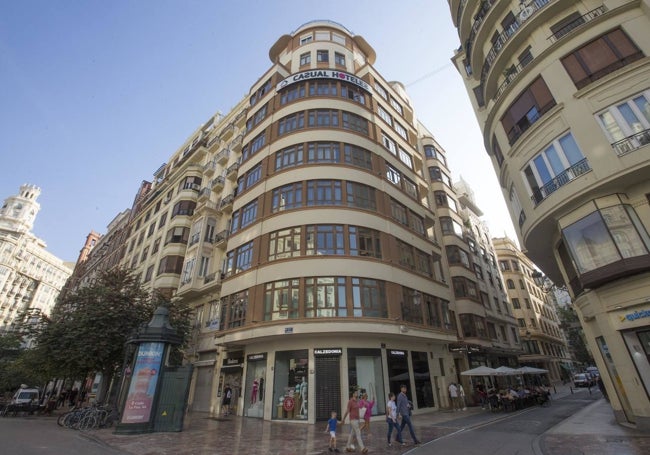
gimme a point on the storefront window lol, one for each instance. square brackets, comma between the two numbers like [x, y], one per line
[398, 370]
[290, 385]
[365, 374]
[423, 389]
[255, 381]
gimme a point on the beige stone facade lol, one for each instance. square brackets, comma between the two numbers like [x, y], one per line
[562, 96]
[307, 229]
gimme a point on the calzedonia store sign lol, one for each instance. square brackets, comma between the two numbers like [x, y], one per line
[323, 74]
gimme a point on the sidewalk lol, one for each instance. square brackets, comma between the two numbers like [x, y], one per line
[593, 428]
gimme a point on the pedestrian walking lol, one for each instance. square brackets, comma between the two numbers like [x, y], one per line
[365, 403]
[225, 404]
[453, 394]
[352, 409]
[391, 420]
[404, 410]
[461, 396]
[331, 429]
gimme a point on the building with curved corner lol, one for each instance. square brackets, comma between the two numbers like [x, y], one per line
[307, 230]
[561, 93]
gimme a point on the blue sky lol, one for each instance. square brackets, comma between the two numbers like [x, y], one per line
[96, 95]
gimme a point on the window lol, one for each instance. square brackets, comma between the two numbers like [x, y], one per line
[353, 93]
[287, 197]
[444, 200]
[412, 306]
[291, 122]
[322, 56]
[393, 175]
[364, 242]
[510, 284]
[410, 187]
[398, 212]
[281, 300]
[322, 88]
[177, 235]
[401, 131]
[605, 237]
[324, 192]
[450, 226]
[389, 143]
[325, 297]
[340, 39]
[156, 245]
[248, 214]
[239, 259]
[255, 145]
[558, 164]
[405, 157]
[381, 91]
[253, 176]
[627, 120]
[163, 219]
[288, 157]
[323, 118]
[171, 264]
[416, 223]
[148, 274]
[504, 265]
[521, 284]
[235, 307]
[185, 208]
[204, 266]
[324, 239]
[145, 253]
[305, 59]
[527, 109]
[385, 115]
[293, 92]
[322, 35]
[361, 196]
[354, 122]
[396, 105]
[457, 256]
[191, 183]
[323, 152]
[464, 287]
[152, 229]
[357, 156]
[284, 243]
[339, 59]
[369, 298]
[601, 57]
[472, 326]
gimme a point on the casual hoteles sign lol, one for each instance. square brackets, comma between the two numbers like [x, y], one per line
[323, 74]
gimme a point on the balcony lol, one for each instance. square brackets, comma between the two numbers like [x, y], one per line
[524, 15]
[204, 194]
[222, 156]
[568, 175]
[478, 20]
[527, 121]
[195, 239]
[632, 143]
[210, 168]
[221, 238]
[226, 203]
[576, 23]
[217, 183]
[231, 172]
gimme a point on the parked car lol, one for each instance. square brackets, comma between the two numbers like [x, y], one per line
[583, 380]
[26, 395]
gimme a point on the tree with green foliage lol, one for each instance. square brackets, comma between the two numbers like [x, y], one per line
[570, 323]
[89, 327]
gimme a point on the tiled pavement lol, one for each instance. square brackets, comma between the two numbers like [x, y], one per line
[592, 431]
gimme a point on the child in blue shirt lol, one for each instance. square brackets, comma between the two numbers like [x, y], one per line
[331, 428]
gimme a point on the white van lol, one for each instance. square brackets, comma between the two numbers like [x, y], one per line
[26, 395]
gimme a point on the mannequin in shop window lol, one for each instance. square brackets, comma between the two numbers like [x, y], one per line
[303, 398]
[254, 391]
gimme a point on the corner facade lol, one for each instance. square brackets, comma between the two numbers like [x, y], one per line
[562, 96]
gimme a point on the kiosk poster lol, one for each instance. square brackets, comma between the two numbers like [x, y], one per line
[143, 383]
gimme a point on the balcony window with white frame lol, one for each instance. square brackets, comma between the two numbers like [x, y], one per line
[558, 164]
[627, 124]
[385, 115]
[305, 58]
[405, 157]
[401, 131]
[389, 143]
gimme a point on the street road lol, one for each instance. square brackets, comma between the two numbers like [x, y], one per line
[42, 436]
[515, 433]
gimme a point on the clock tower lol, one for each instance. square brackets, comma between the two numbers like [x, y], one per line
[18, 212]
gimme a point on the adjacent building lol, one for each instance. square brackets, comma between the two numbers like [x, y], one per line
[307, 229]
[543, 340]
[30, 276]
[562, 94]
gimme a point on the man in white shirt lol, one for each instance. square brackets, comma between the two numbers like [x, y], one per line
[453, 394]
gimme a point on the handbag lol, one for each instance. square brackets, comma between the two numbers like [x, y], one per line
[362, 413]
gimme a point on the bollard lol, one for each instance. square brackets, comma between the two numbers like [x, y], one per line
[554, 391]
[571, 389]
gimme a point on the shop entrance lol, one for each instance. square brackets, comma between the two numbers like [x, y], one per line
[328, 387]
[255, 383]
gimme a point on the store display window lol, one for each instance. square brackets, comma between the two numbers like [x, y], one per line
[255, 382]
[291, 385]
[365, 374]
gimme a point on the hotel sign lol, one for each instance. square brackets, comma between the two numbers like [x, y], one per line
[323, 74]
